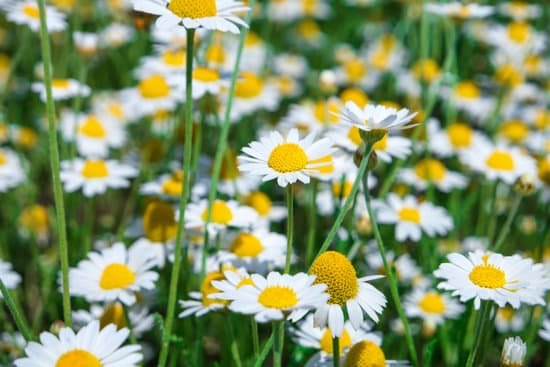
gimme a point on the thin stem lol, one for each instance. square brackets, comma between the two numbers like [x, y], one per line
[255, 337]
[234, 345]
[184, 198]
[391, 276]
[265, 351]
[279, 332]
[289, 226]
[312, 221]
[54, 162]
[508, 223]
[336, 352]
[16, 314]
[480, 323]
[130, 327]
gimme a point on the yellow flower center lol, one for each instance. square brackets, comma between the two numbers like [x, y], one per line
[31, 11]
[337, 272]
[365, 354]
[174, 58]
[252, 39]
[206, 75]
[246, 245]
[487, 275]
[35, 218]
[380, 59]
[409, 215]
[116, 276]
[60, 83]
[260, 202]
[3, 159]
[514, 130]
[460, 135]
[324, 111]
[78, 358]
[193, 9]
[287, 157]
[308, 29]
[382, 144]
[544, 171]
[221, 213]
[430, 169]
[542, 119]
[278, 297]
[432, 303]
[92, 127]
[207, 289]
[532, 63]
[508, 75]
[113, 314]
[249, 85]
[326, 342]
[354, 135]
[95, 169]
[215, 54]
[506, 313]
[519, 32]
[116, 110]
[172, 186]
[355, 95]
[355, 70]
[27, 137]
[500, 161]
[426, 70]
[154, 87]
[467, 90]
[339, 191]
[159, 222]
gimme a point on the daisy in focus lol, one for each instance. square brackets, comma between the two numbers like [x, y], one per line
[289, 159]
[9, 277]
[89, 347]
[114, 274]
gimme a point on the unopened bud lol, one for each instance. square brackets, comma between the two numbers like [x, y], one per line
[525, 185]
[513, 352]
[371, 137]
[363, 225]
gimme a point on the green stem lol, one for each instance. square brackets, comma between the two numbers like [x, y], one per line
[54, 162]
[130, 327]
[289, 226]
[184, 198]
[312, 221]
[16, 314]
[480, 323]
[391, 276]
[279, 332]
[234, 345]
[255, 337]
[336, 352]
[265, 351]
[508, 223]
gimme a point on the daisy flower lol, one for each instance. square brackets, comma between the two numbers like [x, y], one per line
[509, 320]
[376, 117]
[26, 12]
[220, 15]
[11, 171]
[34, 223]
[89, 347]
[430, 171]
[412, 218]
[87, 43]
[386, 53]
[224, 214]
[493, 277]
[432, 307]
[517, 38]
[454, 139]
[95, 176]
[267, 211]
[252, 93]
[311, 117]
[287, 159]
[520, 10]
[116, 35]
[9, 277]
[62, 89]
[169, 62]
[278, 296]
[235, 278]
[115, 273]
[460, 11]
[207, 81]
[468, 97]
[168, 186]
[347, 291]
[203, 302]
[499, 162]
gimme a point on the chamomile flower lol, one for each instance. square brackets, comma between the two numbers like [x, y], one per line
[430, 171]
[11, 170]
[89, 347]
[386, 53]
[492, 277]
[252, 93]
[347, 291]
[168, 186]
[154, 92]
[267, 211]
[499, 162]
[454, 139]
[519, 10]
[34, 222]
[114, 274]
[26, 13]
[220, 15]
[279, 296]
[467, 96]
[235, 278]
[116, 35]
[287, 159]
[62, 89]
[413, 217]
[460, 11]
[432, 307]
[225, 214]
[9, 277]
[517, 38]
[169, 62]
[376, 117]
[311, 117]
[87, 43]
[95, 176]
[203, 302]
[509, 320]
[206, 81]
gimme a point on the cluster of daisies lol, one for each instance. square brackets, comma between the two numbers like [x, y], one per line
[413, 154]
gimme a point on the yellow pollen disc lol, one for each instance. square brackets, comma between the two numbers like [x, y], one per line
[116, 276]
[508, 75]
[426, 70]
[500, 161]
[519, 32]
[78, 358]
[544, 171]
[60, 83]
[116, 110]
[380, 59]
[430, 169]
[193, 9]
[159, 222]
[174, 58]
[113, 314]
[27, 137]
[460, 135]
[365, 354]
[249, 85]
[278, 297]
[154, 87]
[3, 159]
[409, 215]
[532, 63]
[337, 272]
[35, 218]
[339, 191]
[324, 112]
[354, 135]
[355, 70]
[382, 144]
[487, 276]
[245, 281]
[95, 169]
[285, 85]
[221, 213]
[207, 289]
[467, 90]
[206, 75]
[326, 342]
[172, 186]
[260, 202]
[514, 130]
[246, 245]
[542, 119]
[252, 39]
[215, 54]
[31, 11]
[355, 95]
[92, 127]
[287, 157]
[506, 313]
[432, 303]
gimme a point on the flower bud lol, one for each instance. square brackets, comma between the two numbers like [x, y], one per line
[525, 185]
[513, 352]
